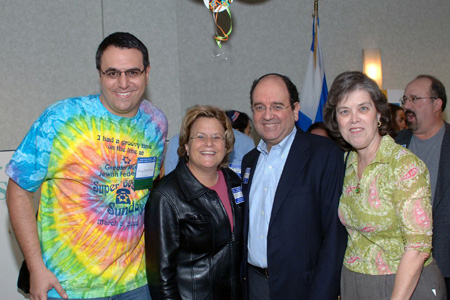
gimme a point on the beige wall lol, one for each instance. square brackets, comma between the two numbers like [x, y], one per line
[48, 46]
[47, 52]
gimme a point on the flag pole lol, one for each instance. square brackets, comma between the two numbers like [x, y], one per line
[316, 9]
[316, 21]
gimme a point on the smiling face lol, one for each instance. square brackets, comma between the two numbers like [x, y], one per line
[122, 96]
[205, 155]
[273, 126]
[357, 119]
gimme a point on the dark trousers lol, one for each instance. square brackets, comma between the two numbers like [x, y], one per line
[258, 285]
[447, 283]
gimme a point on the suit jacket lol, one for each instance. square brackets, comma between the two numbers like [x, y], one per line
[441, 202]
[306, 241]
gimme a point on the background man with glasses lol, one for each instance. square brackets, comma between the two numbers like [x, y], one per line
[95, 158]
[294, 242]
[429, 138]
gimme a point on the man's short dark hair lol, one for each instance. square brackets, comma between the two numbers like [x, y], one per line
[437, 89]
[292, 89]
[123, 40]
[317, 125]
[239, 120]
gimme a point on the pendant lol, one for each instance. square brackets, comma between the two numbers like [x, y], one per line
[357, 188]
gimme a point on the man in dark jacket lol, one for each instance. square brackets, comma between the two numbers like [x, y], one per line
[429, 138]
[293, 241]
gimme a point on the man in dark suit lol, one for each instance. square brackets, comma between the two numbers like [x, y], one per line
[429, 138]
[294, 242]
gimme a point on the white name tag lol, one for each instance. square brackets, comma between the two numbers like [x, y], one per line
[237, 194]
[145, 167]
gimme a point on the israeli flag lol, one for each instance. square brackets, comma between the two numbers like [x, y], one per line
[314, 90]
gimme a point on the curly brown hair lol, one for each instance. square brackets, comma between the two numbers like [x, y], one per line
[344, 84]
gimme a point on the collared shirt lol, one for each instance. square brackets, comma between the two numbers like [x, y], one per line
[387, 212]
[262, 193]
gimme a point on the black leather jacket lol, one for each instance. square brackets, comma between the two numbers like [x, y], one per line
[191, 252]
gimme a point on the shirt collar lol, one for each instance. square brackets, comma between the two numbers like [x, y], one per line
[284, 145]
[386, 142]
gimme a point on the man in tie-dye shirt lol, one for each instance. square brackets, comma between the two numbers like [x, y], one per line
[94, 158]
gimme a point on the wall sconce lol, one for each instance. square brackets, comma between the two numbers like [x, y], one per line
[372, 65]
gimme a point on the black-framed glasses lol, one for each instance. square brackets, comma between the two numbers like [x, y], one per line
[202, 138]
[115, 74]
[259, 108]
[413, 99]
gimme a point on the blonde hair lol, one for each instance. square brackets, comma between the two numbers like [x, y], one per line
[205, 111]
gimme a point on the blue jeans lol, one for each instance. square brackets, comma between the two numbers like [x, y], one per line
[142, 293]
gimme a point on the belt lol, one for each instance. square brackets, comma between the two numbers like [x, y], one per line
[263, 271]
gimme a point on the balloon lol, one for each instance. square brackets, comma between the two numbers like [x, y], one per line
[217, 5]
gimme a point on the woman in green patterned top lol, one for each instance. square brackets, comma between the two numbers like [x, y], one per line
[385, 205]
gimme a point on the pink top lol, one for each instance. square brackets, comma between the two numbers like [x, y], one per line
[221, 189]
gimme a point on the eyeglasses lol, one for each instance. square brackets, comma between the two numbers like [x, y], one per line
[413, 99]
[116, 74]
[259, 108]
[203, 138]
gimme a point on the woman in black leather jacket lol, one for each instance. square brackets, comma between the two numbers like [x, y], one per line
[193, 222]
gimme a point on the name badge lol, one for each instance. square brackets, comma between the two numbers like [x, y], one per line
[236, 168]
[145, 167]
[145, 171]
[238, 195]
[246, 175]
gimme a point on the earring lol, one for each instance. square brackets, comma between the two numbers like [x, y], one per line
[379, 124]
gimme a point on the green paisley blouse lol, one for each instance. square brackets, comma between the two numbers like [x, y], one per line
[388, 211]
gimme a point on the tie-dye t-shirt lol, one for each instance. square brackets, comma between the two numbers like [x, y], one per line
[387, 212]
[90, 220]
